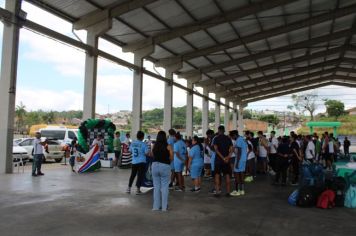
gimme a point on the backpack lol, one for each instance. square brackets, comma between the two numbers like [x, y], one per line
[292, 199]
[339, 187]
[326, 200]
[350, 197]
[307, 196]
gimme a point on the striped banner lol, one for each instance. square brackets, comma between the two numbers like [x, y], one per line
[92, 160]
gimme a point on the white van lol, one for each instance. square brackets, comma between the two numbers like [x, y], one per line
[60, 133]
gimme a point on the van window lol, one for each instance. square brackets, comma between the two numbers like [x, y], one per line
[53, 134]
[71, 135]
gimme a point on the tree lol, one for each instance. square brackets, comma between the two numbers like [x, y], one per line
[20, 113]
[305, 102]
[247, 114]
[334, 108]
[48, 117]
[271, 119]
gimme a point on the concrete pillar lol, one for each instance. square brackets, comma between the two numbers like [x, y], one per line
[226, 115]
[240, 123]
[137, 90]
[234, 116]
[189, 116]
[205, 112]
[9, 59]
[217, 113]
[168, 97]
[91, 65]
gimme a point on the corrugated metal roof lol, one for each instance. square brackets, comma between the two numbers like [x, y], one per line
[206, 35]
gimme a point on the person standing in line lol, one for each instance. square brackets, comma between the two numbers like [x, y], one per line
[223, 148]
[282, 162]
[196, 163]
[310, 149]
[139, 151]
[262, 153]
[117, 149]
[180, 152]
[240, 165]
[233, 135]
[347, 145]
[317, 144]
[296, 158]
[128, 139]
[162, 154]
[171, 140]
[38, 146]
[273, 145]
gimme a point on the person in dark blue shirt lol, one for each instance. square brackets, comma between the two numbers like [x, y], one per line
[223, 148]
[283, 152]
[139, 151]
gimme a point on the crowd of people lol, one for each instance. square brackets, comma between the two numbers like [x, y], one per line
[221, 157]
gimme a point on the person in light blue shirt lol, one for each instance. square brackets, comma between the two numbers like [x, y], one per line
[139, 151]
[240, 165]
[171, 140]
[180, 153]
[196, 163]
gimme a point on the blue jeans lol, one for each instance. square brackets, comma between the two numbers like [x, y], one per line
[161, 174]
[37, 163]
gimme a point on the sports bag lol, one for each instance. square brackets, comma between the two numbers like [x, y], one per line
[326, 200]
[350, 197]
[292, 199]
[308, 196]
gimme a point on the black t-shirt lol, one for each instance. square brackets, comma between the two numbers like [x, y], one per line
[224, 143]
[161, 154]
[346, 143]
[294, 146]
[283, 149]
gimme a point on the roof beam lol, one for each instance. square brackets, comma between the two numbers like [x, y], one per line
[111, 11]
[318, 85]
[351, 85]
[260, 35]
[300, 84]
[232, 15]
[272, 66]
[303, 80]
[300, 78]
[275, 51]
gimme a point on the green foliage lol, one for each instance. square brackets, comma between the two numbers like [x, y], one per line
[271, 119]
[334, 108]
[247, 114]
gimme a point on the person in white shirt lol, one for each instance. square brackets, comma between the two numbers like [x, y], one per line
[37, 155]
[273, 145]
[98, 141]
[310, 150]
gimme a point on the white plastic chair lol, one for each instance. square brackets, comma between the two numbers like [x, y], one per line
[18, 164]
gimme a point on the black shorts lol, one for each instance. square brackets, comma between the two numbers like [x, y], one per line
[224, 169]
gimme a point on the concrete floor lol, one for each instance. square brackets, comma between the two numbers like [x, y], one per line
[64, 203]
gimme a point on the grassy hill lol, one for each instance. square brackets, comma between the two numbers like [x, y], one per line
[348, 125]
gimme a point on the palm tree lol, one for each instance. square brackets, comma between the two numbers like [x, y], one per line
[20, 116]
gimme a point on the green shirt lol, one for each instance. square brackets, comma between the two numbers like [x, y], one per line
[317, 146]
[117, 144]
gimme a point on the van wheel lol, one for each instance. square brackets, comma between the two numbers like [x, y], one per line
[58, 160]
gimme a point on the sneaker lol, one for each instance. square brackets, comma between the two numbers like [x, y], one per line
[212, 191]
[138, 192]
[242, 192]
[34, 175]
[40, 173]
[294, 184]
[217, 193]
[234, 193]
[128, 190]
[177, 189]
[170, 186]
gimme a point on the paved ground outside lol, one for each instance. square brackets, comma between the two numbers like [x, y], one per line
[65, 203]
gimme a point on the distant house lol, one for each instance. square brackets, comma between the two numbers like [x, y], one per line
[351, 111]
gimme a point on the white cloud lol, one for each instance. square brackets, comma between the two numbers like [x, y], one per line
[35, 99]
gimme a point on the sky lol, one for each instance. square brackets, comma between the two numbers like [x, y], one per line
[51, 76]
